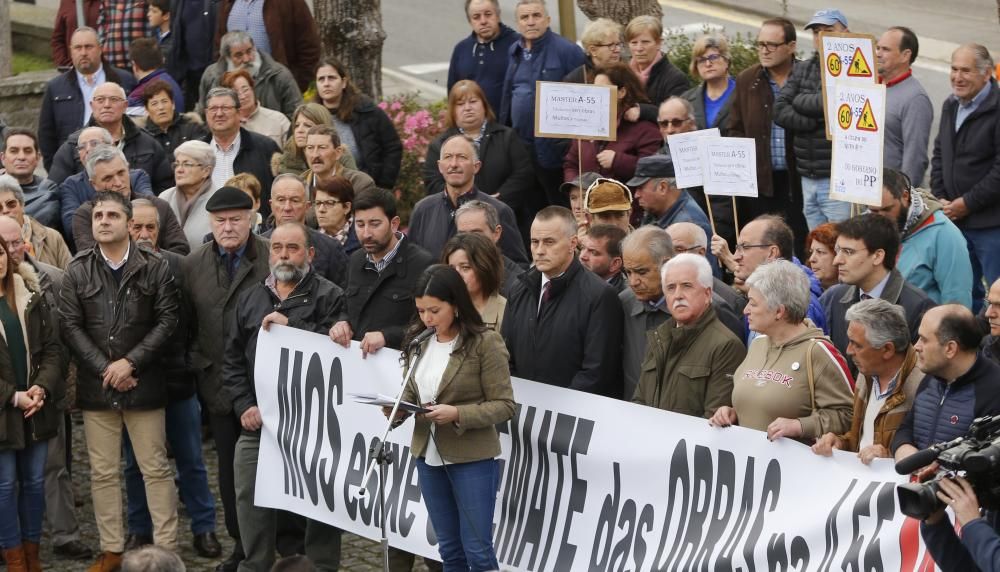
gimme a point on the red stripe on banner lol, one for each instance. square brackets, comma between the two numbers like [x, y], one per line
[840, 361]
[909, 544]
[909, 549]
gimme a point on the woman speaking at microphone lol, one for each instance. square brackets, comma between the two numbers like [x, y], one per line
[462, 377]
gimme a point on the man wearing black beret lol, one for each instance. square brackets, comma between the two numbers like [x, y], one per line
[218, 271]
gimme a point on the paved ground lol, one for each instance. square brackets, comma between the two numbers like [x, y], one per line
[359, 554]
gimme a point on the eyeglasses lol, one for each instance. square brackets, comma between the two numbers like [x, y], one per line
[220, 108]
[672, 122]
[709, 58]
[185, 164]
[613, 46]
[743, 247]
[102, 99]
[769, 46]
[328, 204]
[848, 252]
[682, 249]
[89, 144]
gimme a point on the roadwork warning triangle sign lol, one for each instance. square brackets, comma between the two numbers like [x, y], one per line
[866, 121]
[859, 65]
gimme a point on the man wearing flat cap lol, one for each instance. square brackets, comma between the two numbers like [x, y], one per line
[607, 201]
[217, 272]
[799, 109]
[658, 195]
[664, 203]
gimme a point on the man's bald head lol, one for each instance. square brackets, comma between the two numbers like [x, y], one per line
[688, 237]
[10, 233]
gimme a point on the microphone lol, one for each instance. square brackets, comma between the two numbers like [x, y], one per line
[917, 460]
[422, 336]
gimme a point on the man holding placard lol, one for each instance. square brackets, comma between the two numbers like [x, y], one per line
[799, 108]
[965, 171]
[539, 55]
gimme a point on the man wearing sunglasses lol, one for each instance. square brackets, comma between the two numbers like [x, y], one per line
[752, 115]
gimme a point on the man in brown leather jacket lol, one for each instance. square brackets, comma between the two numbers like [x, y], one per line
[118, 306]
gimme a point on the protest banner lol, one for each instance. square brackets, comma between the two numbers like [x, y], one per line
[846, 59]
[576, 110]
[856, 166]
[587, 482]
[686, 156]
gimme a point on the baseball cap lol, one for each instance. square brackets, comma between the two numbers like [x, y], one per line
[827, 17]
[652, 167]
[607, 195]
[583, 182]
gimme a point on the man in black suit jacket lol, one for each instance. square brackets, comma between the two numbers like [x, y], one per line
[866, 265]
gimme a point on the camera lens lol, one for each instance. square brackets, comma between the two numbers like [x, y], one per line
[918, 500]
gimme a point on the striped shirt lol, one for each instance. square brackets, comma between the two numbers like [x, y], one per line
[379, 266]
[248, 16]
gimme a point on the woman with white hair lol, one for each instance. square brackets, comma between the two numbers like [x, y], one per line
[193, 165]
[793, 383]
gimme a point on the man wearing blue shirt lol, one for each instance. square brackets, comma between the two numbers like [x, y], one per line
[965, 170]
[540, 55]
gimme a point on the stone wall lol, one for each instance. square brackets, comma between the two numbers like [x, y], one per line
[21, 98]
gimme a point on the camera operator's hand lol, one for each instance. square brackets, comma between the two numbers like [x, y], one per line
[958, 494]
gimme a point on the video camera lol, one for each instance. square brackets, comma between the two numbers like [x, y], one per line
[975, 456]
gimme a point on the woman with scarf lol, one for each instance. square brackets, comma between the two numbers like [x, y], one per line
[193, 165]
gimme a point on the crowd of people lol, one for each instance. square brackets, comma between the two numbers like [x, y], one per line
[193, 196]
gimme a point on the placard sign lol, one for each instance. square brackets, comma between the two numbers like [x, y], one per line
[856, 168]
[686, 156]
[729, 166]
[576, 111]
[847, 59]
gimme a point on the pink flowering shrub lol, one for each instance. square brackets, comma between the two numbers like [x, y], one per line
[417, 125]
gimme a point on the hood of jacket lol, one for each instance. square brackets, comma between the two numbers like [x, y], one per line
[923, 205]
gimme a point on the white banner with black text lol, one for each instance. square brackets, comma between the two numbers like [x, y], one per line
[587, 482]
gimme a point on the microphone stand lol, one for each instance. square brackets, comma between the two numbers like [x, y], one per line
[380, 455]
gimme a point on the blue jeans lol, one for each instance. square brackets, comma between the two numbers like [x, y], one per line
[184, 439]
[984, 252]
[818, 207]
[21, 514]
[460, 503]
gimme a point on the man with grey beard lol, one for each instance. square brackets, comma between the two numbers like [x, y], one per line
[292, 295]
[275, 85]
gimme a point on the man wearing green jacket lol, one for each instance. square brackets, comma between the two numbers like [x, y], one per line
[691, 357]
